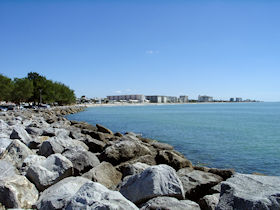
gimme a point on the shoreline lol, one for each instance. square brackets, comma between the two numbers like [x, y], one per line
[159, 104]
[32, 139]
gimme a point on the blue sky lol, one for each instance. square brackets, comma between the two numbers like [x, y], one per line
[98, 48]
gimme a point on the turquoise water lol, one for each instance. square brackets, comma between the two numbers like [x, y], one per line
[243, 136]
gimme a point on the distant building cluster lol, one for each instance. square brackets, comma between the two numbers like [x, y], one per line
[140, 98]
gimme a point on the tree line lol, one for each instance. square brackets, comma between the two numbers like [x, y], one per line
[35, 88]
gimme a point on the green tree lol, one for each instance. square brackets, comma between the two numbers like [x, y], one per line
[22, 91]
[6, 87]
[50, 91]
[39, 86]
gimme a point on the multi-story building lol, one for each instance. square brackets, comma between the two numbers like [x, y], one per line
[184, 99]
[205, 98]
[231, 99]
[139, 98]
[172, 99]
[238, 99]
[157, 99]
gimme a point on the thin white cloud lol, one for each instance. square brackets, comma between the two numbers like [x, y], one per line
[151, 52]
[117, 91]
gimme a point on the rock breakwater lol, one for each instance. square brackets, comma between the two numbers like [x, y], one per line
[49, 162]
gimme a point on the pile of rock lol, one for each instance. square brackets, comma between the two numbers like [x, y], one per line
[48, 162]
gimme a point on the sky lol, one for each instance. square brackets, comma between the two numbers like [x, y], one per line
[219, 48]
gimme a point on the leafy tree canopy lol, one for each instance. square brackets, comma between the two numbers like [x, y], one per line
[35, 88]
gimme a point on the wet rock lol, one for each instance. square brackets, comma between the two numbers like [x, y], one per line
[105, 174]
[209, 202]
[245, 191]
[155, 181]
[49, 171]
[58, 195]
[118, 134]
[224, 173]
[197, 183]
[169, 203]
[102, 129]
[82, 161]
[173, 159]
[16, 153]
[95, 196]
[123, 151]
[83, 125]
[15, 190]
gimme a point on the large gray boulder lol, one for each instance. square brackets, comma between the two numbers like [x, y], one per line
[20, 133]
[16, 153]
[245, 191]
[94, 145]
[59, 145]
[95, 196]
[15, 191]
[169, 203]
[4, 143]
[82, 161]
[31, 160]
[105, 174]
[49, 171]
[173, 159]
[155, 181]
[123, 151]
[209, 202]
[128, 169]
[197, 183]
[5, 129]
[34, 131]
[58, 195]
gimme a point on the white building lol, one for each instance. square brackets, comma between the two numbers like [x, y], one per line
[139, 98]
[184, 99]
[205, 98]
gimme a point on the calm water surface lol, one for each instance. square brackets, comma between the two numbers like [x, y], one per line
[243, 136]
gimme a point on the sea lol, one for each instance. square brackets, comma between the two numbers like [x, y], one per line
[242, 136]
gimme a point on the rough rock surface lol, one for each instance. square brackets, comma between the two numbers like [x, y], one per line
[82, 161]
[58, 195]
[49, 171]
[102, 129]
[173, 159]
[169, 203]
[31, 160]
[16, 153]
[155, 181]
[59, 145]
[95, 196]
[94, 145]
[105, 174]
[4, 143]
[123, 151]
[132, 169]
[245, 191]
[20, 133]
[5, 130]
[209, 202]
[197, 183]
[15, 191]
